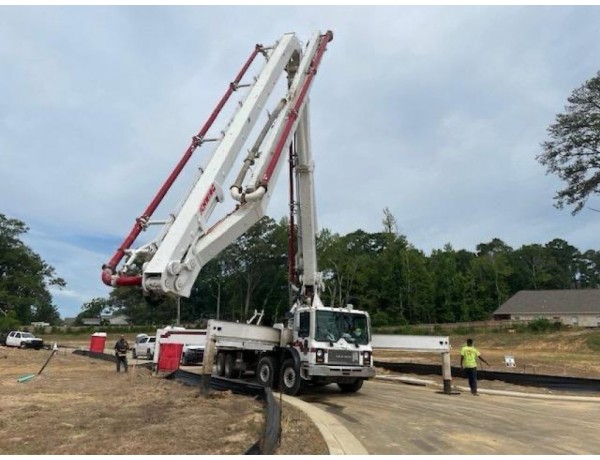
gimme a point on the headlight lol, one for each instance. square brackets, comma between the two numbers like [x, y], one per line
[320, 354]
[367, 358]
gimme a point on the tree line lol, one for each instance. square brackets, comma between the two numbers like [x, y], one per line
[25, 279]
[380, 272]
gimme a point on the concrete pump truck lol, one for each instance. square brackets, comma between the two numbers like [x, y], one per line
[317, 344]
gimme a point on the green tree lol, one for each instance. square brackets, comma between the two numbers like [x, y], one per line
[9, 321]
[255, 268]
[531, 268]
[491, 271]
[573, 153]
[25, 278]
[96, 307]
[588, 270]
[448, 285]
[565, 260]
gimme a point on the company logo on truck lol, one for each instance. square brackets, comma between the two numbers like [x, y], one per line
[211, 192]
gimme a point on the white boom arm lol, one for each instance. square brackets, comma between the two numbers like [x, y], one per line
[186, 243]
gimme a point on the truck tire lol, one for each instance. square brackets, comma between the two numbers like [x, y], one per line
[22, 345]
[266, 371]
[351, 387]
[230, 371]
[290, 381]
[221, 364]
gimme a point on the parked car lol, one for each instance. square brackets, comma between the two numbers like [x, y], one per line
[23, 340]
[192, 354]
[144, 346]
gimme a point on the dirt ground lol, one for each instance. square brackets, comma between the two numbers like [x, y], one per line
[81, 406]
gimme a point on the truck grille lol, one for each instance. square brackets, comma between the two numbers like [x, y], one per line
[342, 357]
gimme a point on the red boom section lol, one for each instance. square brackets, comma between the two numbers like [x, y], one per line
[109, 268]
[293, 115]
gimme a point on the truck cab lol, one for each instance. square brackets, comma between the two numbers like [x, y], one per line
[334, 346]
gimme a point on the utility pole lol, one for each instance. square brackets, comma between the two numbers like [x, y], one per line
[178, 310]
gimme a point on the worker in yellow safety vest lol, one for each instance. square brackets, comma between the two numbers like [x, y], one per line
[468, 361]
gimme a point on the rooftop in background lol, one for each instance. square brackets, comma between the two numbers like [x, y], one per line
[559, 301]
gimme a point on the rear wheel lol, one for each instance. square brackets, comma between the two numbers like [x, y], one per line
[351, 387]
[265, 371]
[289, 378]
[221, 364]
[229, 366]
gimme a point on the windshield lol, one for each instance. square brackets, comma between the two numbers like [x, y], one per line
[333, 326]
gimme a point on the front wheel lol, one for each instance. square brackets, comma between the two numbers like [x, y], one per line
[289, 378]
[351, 387]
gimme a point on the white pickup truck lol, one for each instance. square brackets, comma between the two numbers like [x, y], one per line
[144, 346]
[21, 339]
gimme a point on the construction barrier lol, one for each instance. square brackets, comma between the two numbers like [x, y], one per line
[170, 356]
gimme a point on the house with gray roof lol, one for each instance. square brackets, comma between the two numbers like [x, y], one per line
[575, 307]
[117, 320]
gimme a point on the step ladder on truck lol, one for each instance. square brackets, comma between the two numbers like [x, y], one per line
[318, 344]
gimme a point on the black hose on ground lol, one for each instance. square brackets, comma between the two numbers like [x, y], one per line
[551, 382]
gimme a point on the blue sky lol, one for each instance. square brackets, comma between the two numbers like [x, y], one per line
[434, 112]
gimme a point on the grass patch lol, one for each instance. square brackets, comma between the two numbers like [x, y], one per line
[593, 341]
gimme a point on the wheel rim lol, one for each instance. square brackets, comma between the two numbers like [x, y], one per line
[289, 377]
[265, 373]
